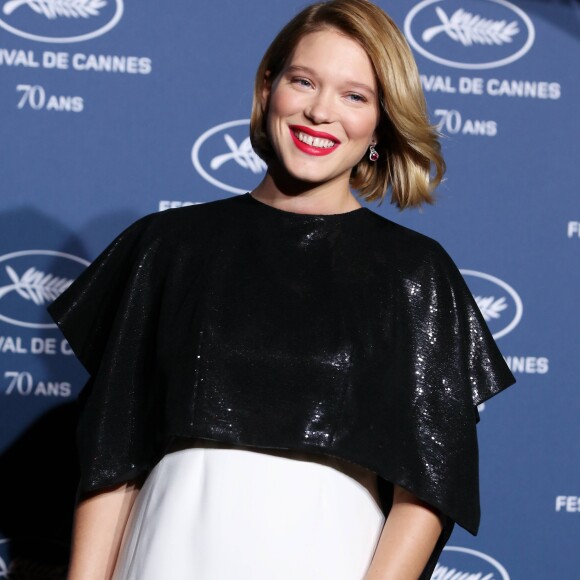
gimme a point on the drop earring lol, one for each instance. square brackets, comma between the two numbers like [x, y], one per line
[373, 154]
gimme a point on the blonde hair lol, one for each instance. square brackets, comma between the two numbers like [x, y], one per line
[408, 145]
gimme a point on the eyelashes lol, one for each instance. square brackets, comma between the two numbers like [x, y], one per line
[301, 82]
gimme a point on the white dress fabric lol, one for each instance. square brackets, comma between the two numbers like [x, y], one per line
[234, 513]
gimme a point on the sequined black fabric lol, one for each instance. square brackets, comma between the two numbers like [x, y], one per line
[343, 334]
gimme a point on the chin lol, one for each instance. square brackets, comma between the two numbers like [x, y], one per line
[313, 173]
[310, 177]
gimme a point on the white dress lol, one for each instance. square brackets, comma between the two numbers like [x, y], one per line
[217, 513]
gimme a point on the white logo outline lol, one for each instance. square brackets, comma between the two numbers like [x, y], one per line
[499, 567]
[195, 155]
[505, 286]
[68, 39]
[471, 66]
[54, 253]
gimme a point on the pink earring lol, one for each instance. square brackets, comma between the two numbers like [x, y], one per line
[373, 155]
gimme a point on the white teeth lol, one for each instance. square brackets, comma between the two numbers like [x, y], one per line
[314, 141]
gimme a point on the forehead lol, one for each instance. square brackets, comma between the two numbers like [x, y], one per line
[333, 53]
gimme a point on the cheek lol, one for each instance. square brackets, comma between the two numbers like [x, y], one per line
[361, 127]
[282, 103]
[276, 111]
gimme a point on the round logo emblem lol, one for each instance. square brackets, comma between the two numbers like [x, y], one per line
[30, 280]
[499, 303]
[469, 34]
[60, 20]
[456, 562]
[224, 157]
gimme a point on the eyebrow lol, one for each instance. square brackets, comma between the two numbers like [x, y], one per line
[300, 68]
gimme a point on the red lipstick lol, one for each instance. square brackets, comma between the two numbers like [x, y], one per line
[311, 149]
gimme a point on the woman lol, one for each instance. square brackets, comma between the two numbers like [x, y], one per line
[294, 376]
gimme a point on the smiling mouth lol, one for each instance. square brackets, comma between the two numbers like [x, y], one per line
[313, 142]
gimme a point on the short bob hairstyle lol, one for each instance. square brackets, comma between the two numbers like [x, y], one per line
[408, 145]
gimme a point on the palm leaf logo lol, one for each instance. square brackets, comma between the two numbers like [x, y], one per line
[55, 8]
[35, 286]
[243, 155]
[472, 29]
[490, 307]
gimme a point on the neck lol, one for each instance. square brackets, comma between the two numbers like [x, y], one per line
[284, 192]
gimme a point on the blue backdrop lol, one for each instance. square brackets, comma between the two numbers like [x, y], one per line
[111, 110]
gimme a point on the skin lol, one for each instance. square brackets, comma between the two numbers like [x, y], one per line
[409, 535]
[99, 524]
[328, 85]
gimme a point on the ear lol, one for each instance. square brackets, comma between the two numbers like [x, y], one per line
[266, 90]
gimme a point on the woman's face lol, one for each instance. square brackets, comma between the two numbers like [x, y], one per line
[323, 108]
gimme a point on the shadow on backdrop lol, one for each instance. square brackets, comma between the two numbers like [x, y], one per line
[38, 462]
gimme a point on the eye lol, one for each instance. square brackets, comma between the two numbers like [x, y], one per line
[301, 82]
[356, 98]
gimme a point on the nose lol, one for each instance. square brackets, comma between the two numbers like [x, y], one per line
[319, 109]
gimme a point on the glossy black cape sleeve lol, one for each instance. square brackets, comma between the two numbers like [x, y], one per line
[451, 360]
[450, 337]
[108, 316]
[451, 363]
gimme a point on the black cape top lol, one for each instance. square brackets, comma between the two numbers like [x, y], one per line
[344, 334]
